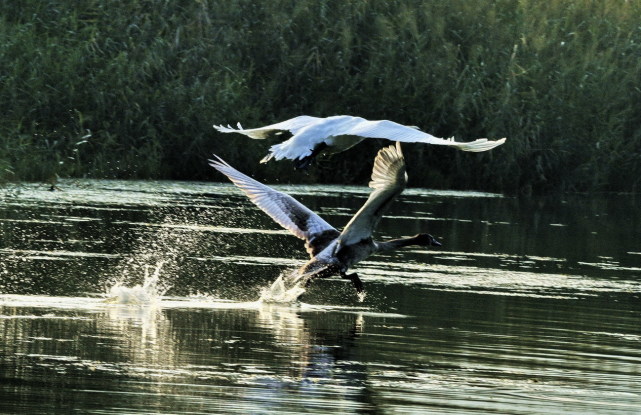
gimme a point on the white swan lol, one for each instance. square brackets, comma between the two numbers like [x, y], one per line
[308, 136]
[333, 252]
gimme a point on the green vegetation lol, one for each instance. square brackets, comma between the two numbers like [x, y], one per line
[131, 89]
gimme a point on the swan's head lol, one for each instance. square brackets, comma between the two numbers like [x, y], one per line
[425, 239]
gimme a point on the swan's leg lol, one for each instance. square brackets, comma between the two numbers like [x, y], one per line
[304, 275]
[358, 284]
[305, 162]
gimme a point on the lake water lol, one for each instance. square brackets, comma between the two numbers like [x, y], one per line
[531, 306]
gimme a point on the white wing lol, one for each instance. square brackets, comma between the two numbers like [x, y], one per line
[398, 132]
[388, 181]
[341, 132]
[282, 208]
[330, 130]
[292, 125]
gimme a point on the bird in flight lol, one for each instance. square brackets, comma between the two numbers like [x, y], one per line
[333, 252]
[309, 136]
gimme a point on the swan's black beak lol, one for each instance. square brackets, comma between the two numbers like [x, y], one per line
[434, 242]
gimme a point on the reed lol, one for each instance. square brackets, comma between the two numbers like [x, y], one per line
[131, 91]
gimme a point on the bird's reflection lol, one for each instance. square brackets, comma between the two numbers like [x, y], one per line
[322, 345]
[283, 349]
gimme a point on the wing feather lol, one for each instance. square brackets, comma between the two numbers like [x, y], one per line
[388, 181]
[282, 208]
[292, 125]
[397, 132]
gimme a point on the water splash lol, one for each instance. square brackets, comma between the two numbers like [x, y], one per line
[147, 293]
[286, 289]
[164, 245]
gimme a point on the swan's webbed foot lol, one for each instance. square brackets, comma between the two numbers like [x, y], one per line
[304, 162]
[358, 284]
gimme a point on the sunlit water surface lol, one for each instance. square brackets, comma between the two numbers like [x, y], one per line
[145, 297]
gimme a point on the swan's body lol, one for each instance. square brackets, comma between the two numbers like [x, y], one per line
[333, 252]
[308, 136]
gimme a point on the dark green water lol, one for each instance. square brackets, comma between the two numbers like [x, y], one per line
[531, 306]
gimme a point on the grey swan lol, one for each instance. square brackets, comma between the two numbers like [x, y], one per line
[308, 136]
[333, 252]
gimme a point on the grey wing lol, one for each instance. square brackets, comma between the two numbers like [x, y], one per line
[388, 181]
[398, 132]
[282, 208]
[291, 126]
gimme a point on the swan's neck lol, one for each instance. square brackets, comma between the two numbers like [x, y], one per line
[396, 244]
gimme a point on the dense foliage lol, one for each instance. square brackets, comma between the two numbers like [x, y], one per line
[131, 89]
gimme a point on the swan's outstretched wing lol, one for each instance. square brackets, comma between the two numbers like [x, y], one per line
[304, 134]
[388, 181]
[292, 126]
[284, 209]
[398, 132]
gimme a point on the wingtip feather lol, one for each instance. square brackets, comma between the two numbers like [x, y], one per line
[389, 167]
[481, 144]
[228, 129]
[217, 162]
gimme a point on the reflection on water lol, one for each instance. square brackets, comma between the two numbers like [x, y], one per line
[122, 297]
[213, 351]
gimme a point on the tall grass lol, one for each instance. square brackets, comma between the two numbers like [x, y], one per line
[147, 79]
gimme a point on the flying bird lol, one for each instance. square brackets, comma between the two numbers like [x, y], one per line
[333, 252]
[308, 136]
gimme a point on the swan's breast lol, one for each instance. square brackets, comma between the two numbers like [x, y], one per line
[354, 253]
